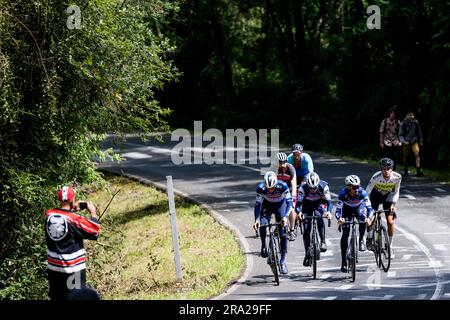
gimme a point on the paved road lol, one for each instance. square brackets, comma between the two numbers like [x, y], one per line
[420, 270]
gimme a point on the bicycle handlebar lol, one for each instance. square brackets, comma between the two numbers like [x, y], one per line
[382, 210]
[317, 218]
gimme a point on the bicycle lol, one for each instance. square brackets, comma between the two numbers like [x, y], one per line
[314, 244]
[380, 241]
[352, 250]
[273, 252]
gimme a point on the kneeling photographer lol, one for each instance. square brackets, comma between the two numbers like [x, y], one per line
[65, 231]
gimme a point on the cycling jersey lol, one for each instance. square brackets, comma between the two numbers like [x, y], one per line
[306, 166]
[345, 199]
[312, 199]
[279, 194]
[64, 233]
[286, 174]
[390, 187]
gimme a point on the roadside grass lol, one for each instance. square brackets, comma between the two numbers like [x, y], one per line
[133, 257]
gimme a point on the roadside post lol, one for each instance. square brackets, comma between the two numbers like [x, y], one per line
[173, 222]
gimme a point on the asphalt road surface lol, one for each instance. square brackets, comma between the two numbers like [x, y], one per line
[420, 270]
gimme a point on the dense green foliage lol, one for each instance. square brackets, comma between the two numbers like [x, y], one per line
[61, 90]
[315, 70]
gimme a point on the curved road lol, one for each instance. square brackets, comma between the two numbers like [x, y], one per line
[420, 270]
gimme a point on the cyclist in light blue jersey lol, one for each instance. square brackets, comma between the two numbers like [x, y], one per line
[301, 161]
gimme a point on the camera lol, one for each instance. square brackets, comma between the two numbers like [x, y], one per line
[83, 205]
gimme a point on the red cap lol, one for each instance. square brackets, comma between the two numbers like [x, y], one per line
[66, 194]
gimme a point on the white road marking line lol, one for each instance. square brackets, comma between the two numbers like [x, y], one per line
[447, 294]
[334, 194]
[436, 233]
[385, 297]
[406, 256]
[411, 237]
[421, 296]
[440, 247]
[439, 189]
[327, 253]
[325, 276]
[330, 298]
[345, 287]
[238, 202]
[391, 274]
[409, 196]
[136, 155]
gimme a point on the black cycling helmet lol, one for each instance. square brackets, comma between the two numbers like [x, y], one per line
[386, 163]
[297, 148]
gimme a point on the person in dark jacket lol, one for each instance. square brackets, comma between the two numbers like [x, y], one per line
[411, 137]
[65, 231]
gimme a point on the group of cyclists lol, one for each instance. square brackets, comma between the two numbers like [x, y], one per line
[294, 191]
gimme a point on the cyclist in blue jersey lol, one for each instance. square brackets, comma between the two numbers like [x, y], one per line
[272, 197]
[314, 195]
[352, 201]
[301, 161]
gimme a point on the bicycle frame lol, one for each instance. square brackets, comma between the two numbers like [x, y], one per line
[314, 248]
[352, 252]
[273, 252]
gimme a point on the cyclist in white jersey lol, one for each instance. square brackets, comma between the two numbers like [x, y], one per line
[384, 188]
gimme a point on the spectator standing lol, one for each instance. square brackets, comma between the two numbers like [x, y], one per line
[389, 140]
[411, 137]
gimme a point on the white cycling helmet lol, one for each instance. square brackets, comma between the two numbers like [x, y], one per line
[312, 180]
[281, 156]
[270, 179]
[352, 180]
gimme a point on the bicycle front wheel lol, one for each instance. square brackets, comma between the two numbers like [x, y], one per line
[274, 258]
[353, 259]
[313, 246]
[385, 249]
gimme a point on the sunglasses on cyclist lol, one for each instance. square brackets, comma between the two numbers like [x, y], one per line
[281, 162]
[386, 168]
[353, 187]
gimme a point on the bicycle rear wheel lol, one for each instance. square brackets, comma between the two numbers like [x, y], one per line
[274, 258]
[385, 249]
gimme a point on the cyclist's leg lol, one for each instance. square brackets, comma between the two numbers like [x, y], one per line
[390, 224]
[307, 224]
[320, 224]
[264, 221]
[375, 201]
[280, 210]
[292, 217]
[344, 246]
[361, 215]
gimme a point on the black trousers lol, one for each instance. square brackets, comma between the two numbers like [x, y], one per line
[61, 284]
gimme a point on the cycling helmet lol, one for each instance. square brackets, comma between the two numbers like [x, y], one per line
[386, 163]
[270, 179]
[297, 147]
[281, 156]
[66, 194]
[352, 180]
[312, 180]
